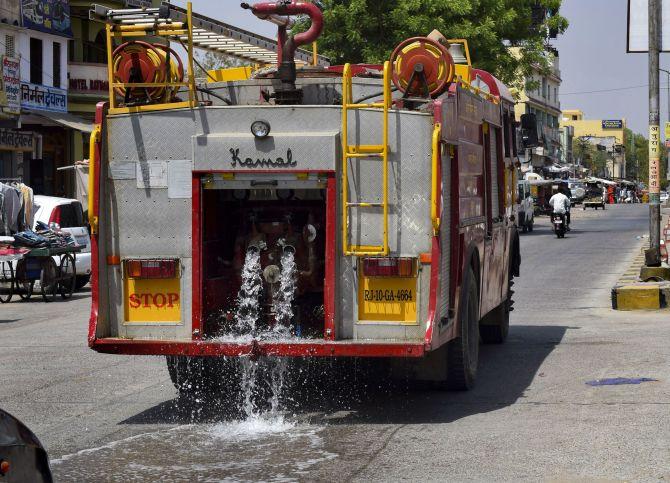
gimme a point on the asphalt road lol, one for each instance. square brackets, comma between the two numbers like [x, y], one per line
[531, 417]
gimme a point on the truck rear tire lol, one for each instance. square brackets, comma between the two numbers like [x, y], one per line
[463, 352]
[495, 326]
[203, 376]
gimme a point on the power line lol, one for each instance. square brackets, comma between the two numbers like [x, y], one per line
[608, 90]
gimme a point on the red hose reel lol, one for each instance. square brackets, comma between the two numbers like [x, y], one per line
[143, 62]
[422, 67]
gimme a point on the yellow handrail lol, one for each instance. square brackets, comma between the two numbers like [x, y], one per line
[434, 213]
[346, 88]
[92, 216]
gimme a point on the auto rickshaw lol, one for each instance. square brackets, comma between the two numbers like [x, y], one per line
[594, 195]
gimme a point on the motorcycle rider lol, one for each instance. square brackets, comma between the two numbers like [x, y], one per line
[561, 206]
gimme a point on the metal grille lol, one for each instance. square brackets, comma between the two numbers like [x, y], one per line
[495, 199]
[445, 235]
[10, 49]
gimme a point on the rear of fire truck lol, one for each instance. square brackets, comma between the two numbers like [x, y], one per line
[304, 212]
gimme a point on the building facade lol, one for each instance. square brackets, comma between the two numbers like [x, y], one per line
[14, 143]
[542, 100]
[607, 135]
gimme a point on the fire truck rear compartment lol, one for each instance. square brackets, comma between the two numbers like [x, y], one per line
[269, 220]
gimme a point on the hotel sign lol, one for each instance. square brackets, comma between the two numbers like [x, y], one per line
[43, 98]
[612, 124]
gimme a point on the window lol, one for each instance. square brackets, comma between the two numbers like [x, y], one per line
[574, 118]
[544, 88]
[56, 64]
[35, 61]
[555, 94]
[10, 49]
[68, 216]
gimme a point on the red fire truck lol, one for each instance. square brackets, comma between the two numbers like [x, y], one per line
[309, 211]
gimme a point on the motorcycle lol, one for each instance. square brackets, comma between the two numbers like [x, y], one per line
[559, 224]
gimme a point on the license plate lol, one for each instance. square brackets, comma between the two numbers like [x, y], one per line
[560, 222]
[387, 299]
[152, 300]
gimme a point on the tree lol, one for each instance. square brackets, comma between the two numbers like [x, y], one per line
[368, 30]
[207, 60]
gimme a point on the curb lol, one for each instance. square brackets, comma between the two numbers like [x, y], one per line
[630, 293]
[641, 296]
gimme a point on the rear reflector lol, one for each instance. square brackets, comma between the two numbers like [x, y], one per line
[389, 267]
[151, 268]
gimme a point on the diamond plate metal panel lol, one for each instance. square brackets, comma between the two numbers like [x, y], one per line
[280, 151]
[139, 223]
[136, 226]
[409, 182]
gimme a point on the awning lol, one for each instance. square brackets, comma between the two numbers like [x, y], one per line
[66, 119]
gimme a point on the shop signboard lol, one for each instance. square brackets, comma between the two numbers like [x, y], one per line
[11, 140]
[11, 85]
[612, 124]
[88, 79]
[43, 98]
[50, 16]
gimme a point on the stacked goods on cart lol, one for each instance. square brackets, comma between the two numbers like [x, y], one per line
[29, 256]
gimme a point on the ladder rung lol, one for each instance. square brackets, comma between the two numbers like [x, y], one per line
[369, 249]
[374, 105]
[365, 148]
[366, 205]
[365, 155]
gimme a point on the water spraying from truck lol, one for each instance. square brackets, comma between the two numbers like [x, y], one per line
[283, 297]
[248, 298]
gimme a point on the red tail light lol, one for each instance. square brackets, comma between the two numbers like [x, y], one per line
[389, 267]
[151, 268]
[55, 215]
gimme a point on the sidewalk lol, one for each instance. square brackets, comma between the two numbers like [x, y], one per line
[631, 292]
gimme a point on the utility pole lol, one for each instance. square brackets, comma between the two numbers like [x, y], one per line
[653, 254]
[667, 138]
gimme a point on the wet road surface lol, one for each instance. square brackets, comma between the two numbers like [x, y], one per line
[531, 416]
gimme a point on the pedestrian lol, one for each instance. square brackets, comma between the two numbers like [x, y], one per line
[604, 194]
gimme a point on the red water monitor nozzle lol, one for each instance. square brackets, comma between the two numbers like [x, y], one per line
[275, 12]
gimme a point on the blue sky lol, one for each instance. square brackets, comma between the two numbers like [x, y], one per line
[592, 55]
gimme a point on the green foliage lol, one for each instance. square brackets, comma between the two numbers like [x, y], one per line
[368, 30]
[206, 60]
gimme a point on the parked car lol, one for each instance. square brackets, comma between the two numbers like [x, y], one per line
[577, 192]
[67, 215]
[664, 196]
[526, 207]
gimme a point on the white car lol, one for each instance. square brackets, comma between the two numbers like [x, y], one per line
[664, 196]
[67, 215]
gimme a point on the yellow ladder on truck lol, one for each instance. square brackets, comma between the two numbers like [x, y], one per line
[351, 152]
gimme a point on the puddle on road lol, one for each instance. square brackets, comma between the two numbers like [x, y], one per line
[258, 448]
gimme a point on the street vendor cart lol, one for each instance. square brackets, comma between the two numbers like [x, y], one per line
[20, 268]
